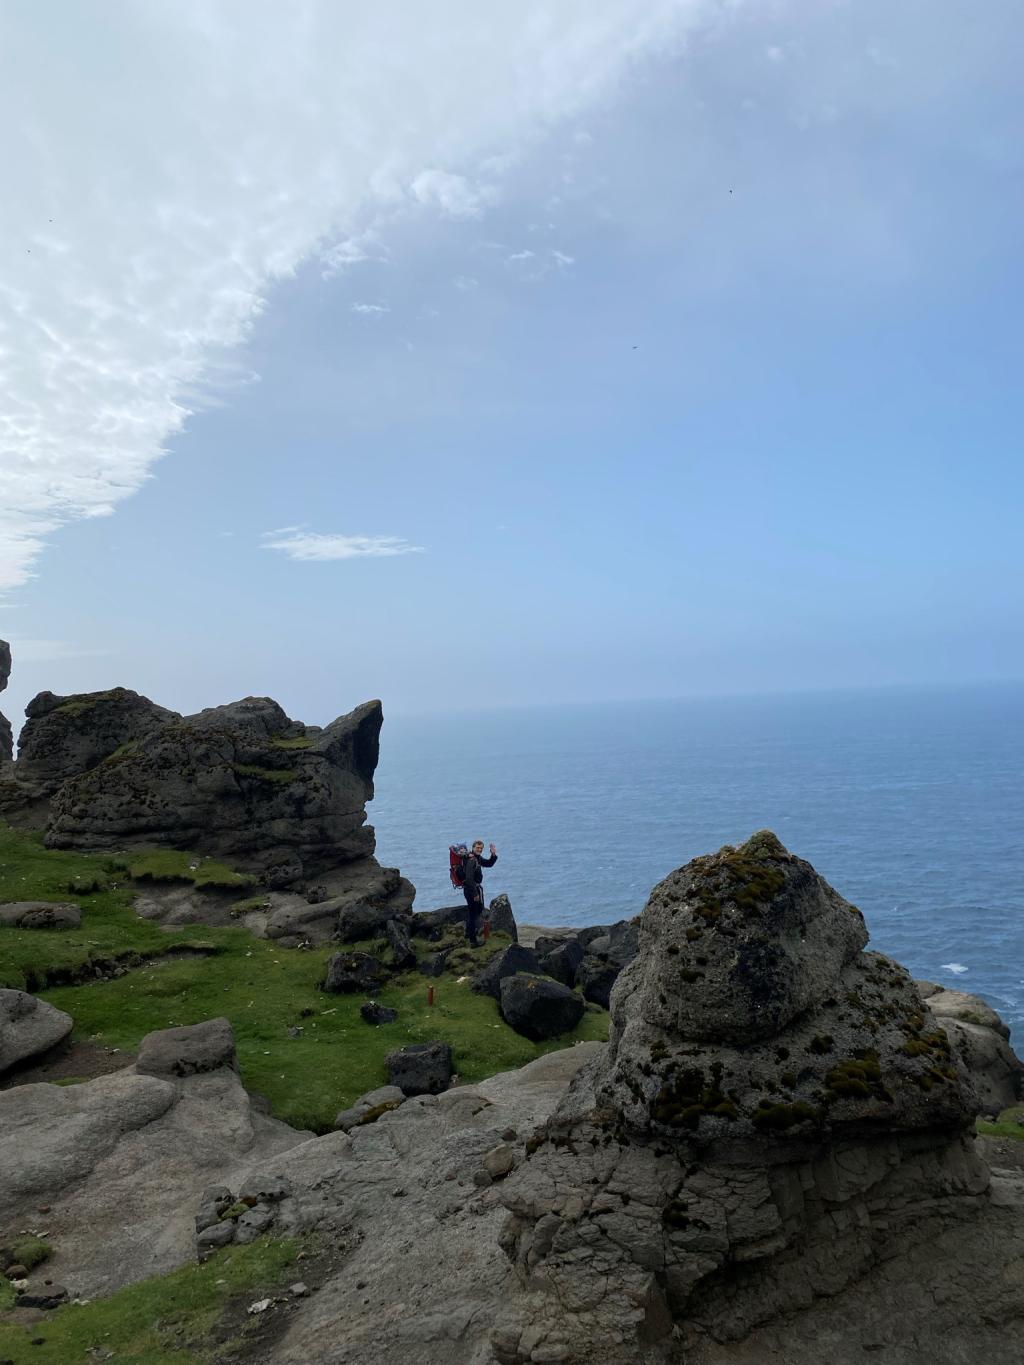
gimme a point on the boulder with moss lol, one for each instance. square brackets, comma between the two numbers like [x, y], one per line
[776, 1115]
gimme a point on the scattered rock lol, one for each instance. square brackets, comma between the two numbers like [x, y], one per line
[372, 1013]
[189, 1050]
[353, 973]
[253, 1224]
[216, 1235]
[402, 955]
[538, 1008]
[28, 1027]
[499, 1161]
[298, 1290]
[421, 1068]
[45, 1297]
[504, 964]
[436, 964]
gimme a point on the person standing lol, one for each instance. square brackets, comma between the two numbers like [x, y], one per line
[473, 888]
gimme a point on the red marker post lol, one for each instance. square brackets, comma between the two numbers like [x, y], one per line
[430, 995]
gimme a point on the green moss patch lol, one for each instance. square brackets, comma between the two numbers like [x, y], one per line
[28, 1250]
[297, 742]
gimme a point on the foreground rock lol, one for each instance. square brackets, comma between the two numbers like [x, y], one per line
[121, 1161]
[242, 782]
[777, 1113]
[421, 1068]
[40, 915]
[28, 1027]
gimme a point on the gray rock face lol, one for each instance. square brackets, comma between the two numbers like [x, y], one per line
[765, 1118]
[538, 1008]
[403, 957]
[562, 961]
[506, 963]
[242, 782]
[372, 1102]
[6, 734]
[40, 915]
[188, 1051]
[421, 1068]
[28, 1027]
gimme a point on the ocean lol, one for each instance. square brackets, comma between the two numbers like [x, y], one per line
[910, 803]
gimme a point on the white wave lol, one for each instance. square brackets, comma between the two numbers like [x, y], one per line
[957, 967]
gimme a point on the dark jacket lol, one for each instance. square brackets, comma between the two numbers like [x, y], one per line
[474, 875]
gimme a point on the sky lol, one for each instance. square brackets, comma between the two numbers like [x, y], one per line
[471, 356]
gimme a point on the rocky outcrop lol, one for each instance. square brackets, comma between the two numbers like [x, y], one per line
[242, 782]
[777, 1112]
[40, 915]
[6, 734]
[28, 1027]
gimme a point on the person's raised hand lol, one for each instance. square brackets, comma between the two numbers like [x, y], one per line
[493, 850]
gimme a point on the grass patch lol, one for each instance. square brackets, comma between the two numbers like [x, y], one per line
[169, 1320]
[262, 988]
[171, 865]
[1010, 1124]
[29, 1250]
[298, 742]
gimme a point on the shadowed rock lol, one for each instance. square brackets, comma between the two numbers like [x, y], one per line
[28, 1027]
[188, 1051]
[537, 1008]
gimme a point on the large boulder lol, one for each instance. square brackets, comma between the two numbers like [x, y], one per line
[6, 734]
[776, 1111]
[508, 962]
[434, 924]
[501, 918]
[421, 1068]
[561, 960]
[538, 1008]
[28, 1027]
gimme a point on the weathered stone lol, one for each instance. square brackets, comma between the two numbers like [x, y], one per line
[967, 1009]
[433, 924]
[421, 1068]
[539, 1008]
[501, 917]
[402, 955]
[595, 977]
[506, 963]
[372, 1013]
[353, 973]
[46, 1296]
[361, 921]
[993, 1066]
[28, 1027]
[188, 1050]
[435, 964]
[217, 1235]
[253, 1224]
[264, 1187]
[499, 1161]
[40, 915]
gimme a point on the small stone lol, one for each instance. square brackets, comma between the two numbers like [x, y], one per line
[481, 1178]
[260, 1306]
[298, 1290]
[398, 1193]
[217, 1236]
[509, 1135]
[16, 1271]
[499, 1161]
[252, 1224]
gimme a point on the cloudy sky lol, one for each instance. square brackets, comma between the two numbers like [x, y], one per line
[471, 355]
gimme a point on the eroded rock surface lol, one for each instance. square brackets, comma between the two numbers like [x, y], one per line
[28, 1027]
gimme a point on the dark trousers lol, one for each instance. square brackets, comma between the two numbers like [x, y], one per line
[475, 902]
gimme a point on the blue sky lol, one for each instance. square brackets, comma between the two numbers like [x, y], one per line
[674, 346]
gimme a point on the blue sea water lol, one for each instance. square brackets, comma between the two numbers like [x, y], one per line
[910, 803]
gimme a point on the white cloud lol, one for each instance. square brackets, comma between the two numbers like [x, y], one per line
[177, 158]
[297, 543]
[372, 310]
[520, 256]
[46, 651]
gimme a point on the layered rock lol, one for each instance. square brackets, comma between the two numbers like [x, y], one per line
[777, 1112]
[6, 734]
[242, 782]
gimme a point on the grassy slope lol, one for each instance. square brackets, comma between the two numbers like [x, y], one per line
[167, 1319]
[260, 987]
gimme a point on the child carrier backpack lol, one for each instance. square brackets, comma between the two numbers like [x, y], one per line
[457, 855]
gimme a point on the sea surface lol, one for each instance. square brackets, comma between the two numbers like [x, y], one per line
[910, 803]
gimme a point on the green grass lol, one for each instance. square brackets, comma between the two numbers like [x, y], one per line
[168, 1320]
[262, 988]
[298, 742]
[29, 1250]
[171, 865]
[1006, 1125]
